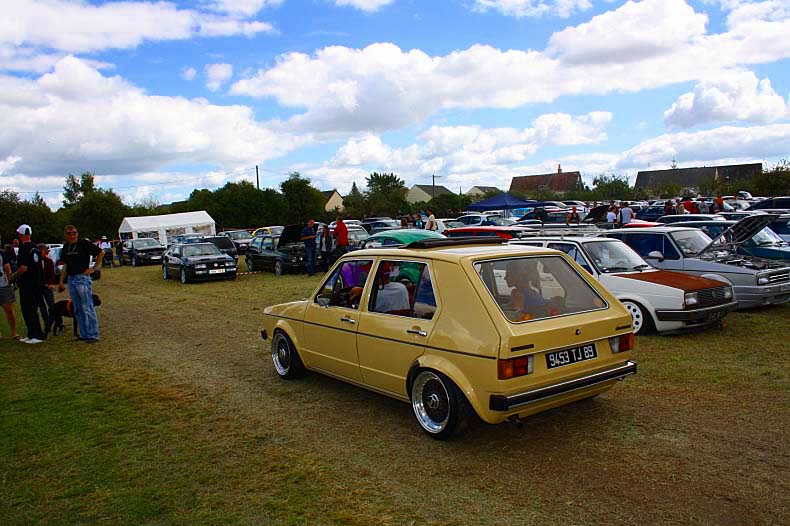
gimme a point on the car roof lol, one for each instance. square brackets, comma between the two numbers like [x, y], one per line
[561, 239]
[406, 235]
[456, 253]
[653, 229]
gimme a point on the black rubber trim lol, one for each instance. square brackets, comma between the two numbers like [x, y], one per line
[386, 339]
[522, 348]
[505, 403]
[457, 241]
[696, 314]
[622, 327]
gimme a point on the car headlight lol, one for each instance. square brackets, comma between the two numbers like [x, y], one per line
[294, 260]
[230, 263]
[728, 293]
[200, 266]
[692, 298]
[763, 280]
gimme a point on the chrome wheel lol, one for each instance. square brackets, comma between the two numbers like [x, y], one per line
[278, 268]
[183, 276]
[134, 261]
[430, 399]
[285, 358]
[637, 315]
[165, 275]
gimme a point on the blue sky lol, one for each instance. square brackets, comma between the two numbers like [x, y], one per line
[158, 98]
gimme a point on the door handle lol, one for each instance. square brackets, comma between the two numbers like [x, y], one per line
[348, 320]
[417, 332]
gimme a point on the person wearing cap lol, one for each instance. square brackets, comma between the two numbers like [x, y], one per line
[107, 249]
[76, 256]
[7, 296]
[30, 277]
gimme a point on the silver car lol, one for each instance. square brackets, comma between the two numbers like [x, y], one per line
[756, 281]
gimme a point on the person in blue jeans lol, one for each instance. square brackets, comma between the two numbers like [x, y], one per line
[308, 237]
[76, 255]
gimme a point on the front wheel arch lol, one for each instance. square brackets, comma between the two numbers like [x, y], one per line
[648, 317]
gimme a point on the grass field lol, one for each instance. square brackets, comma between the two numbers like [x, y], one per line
[177, 417]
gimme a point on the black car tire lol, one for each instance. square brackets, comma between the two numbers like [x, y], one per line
[285, 357]
[165, 274]
[279, 269]
[184, 278]
[250, 264]
[439, 406]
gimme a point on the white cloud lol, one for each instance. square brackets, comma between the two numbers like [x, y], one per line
[739, 96]
[217, 75]
[528, 8]
[369, 6]
[638, 46]
[77, 119]
[34, 34]
[243, 7]
[188, 73]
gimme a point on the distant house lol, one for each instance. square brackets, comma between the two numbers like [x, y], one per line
[425, 192]
[692, 178]
[333, 200]
[480, 191]
[559, 182]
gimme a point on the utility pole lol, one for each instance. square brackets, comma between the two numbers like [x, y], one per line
[257, 178]
[433, 185]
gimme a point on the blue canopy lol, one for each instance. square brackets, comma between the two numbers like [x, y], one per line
[503, 201]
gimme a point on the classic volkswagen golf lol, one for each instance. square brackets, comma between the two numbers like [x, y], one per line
[454, 326]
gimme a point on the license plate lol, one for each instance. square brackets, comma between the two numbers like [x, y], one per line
[217, 271]
[569, 356]
[156, 257]
[713, 316]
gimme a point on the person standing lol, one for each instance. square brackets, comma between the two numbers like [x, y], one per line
[48, 291]
[626, 214]
[326, 246]
[573, 217]
[8, 297]
[30, 277]
[341, 237]
[669, 210]
[679, 208]
[431, 223]
[308, 238]
[119, 251]
[76, 256]
[106, 247]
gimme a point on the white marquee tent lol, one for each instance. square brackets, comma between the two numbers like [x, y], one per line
[166, 227]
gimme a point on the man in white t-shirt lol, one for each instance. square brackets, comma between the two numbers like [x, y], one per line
[611, 216]
[107, 249]
[390, 296]
[626, 214]
[430, 224]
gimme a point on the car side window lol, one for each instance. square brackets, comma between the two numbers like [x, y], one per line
[668, 249]
[403, 288]
[257, 243]
[268, 243]
[644, 244]
[574, 252]
[388, 242]
[343, 288]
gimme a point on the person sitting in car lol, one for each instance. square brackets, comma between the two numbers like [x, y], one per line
[391, 297]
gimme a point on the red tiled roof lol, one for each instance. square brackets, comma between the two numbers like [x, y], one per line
[558, 182]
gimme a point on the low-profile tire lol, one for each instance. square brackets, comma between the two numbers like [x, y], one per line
[134, 261]
[439, 406]
[285, 357]
[640, 316]
[279, 268]
[165, 274]
[184, 278]
[250, 265]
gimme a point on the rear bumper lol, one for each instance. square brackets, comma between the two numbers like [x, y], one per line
[506, 403]
[713, 313]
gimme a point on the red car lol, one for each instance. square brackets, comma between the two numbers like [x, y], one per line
[505, 232]
[636, 223]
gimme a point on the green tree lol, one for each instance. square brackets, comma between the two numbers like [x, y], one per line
[449, 205]
[34, 212]
[302, 201]
[608, 187]
[773, 182]
[77, 188]
[355, 204]
[386, 194]
[98, 213]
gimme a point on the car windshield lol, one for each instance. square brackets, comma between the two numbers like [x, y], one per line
[205, 249]
[614, 256]
[358, 235]
[238, 234]
[501, 221]
[453, 224]
[534, 288]
[767, 237]
[276, 230]
[388, 222]
[691, 242]
[145, 243]
[221, 242]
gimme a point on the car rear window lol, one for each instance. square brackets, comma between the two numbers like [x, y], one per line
[537, 287]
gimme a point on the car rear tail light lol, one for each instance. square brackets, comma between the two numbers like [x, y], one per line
[513, 367]
[622, 343]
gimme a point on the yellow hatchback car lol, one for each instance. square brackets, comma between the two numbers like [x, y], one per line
[458, 325]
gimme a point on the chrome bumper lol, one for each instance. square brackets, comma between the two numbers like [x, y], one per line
[505, 403]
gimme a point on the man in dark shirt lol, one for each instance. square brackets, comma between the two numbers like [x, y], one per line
[76, 255]
[48, 291]
[308, 237]
[30, 277]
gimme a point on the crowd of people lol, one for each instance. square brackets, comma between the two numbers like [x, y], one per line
[26, 268]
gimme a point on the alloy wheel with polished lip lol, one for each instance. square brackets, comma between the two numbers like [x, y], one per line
[285, 358]
[438, 405]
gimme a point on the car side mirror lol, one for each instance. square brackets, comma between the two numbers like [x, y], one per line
[656, 255]
[324, 302]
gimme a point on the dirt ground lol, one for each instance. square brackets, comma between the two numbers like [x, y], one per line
[699, 436]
